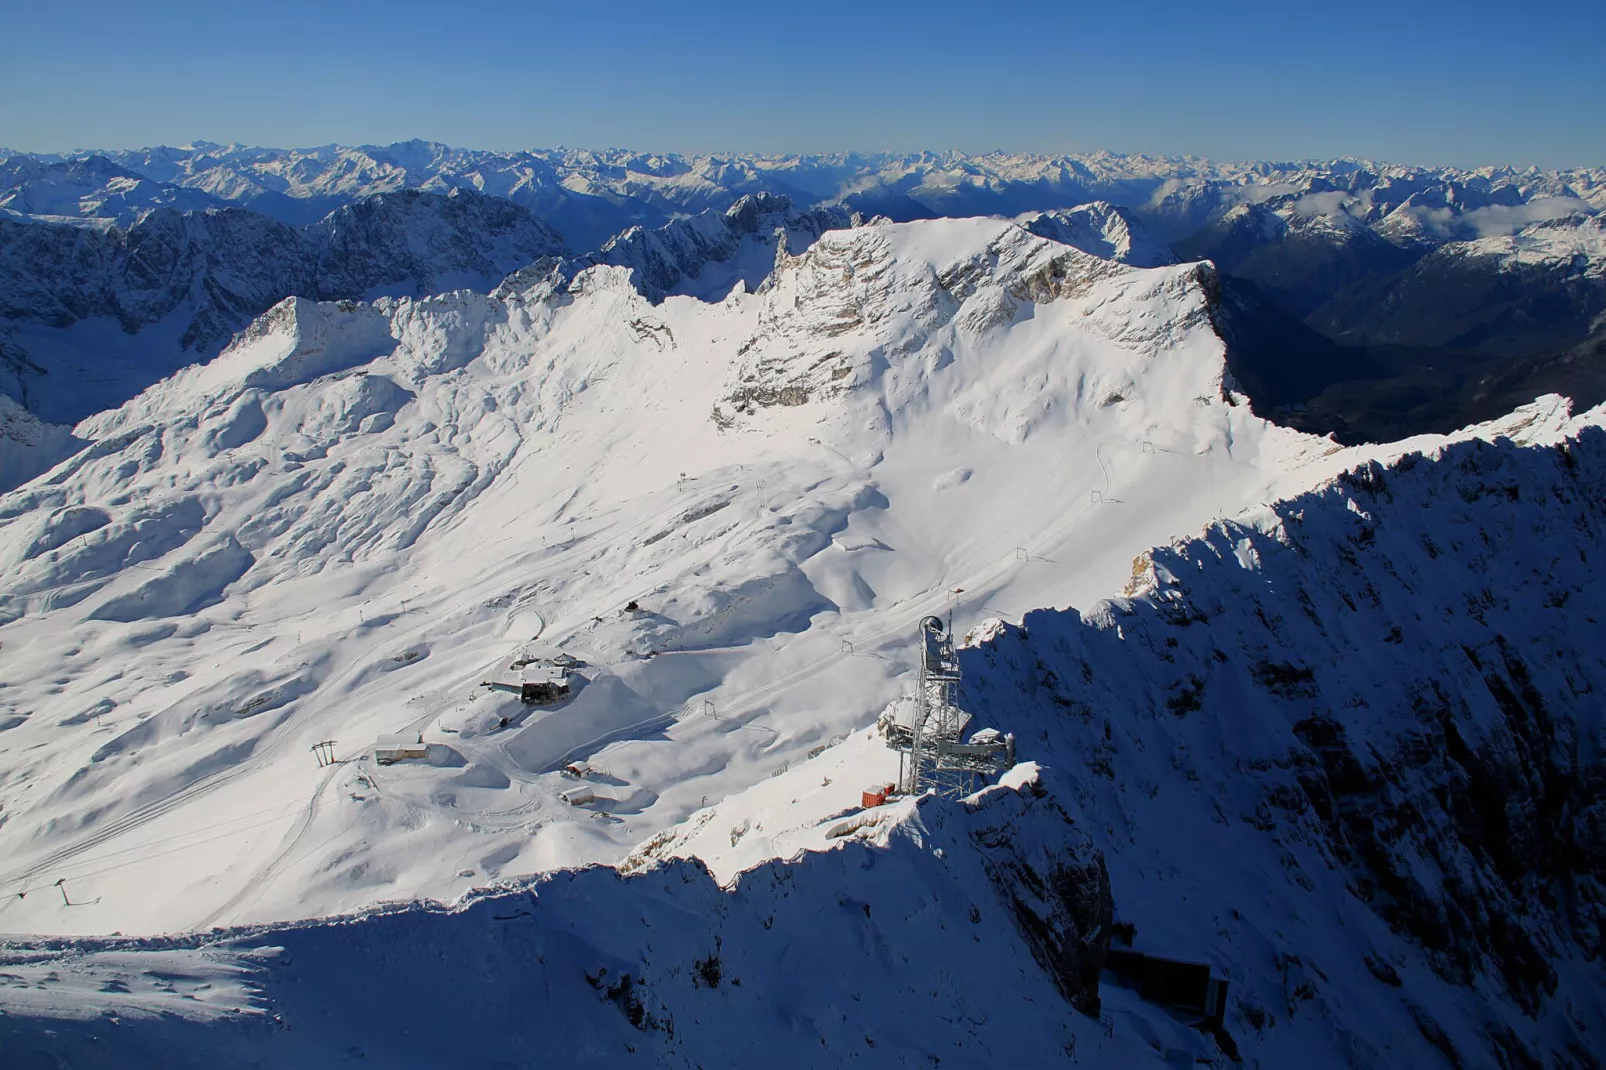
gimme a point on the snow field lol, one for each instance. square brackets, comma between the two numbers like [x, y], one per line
[338, 528]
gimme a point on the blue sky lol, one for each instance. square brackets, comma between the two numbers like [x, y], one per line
[1468, 83]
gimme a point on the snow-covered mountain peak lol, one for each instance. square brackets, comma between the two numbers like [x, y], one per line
[1573, 241]
[734, 514]
[359, 512]
[884, 305]
[1105, 230]
[710, 254]
[90, 188]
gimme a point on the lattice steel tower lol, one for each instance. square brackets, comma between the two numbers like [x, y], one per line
[931, 753]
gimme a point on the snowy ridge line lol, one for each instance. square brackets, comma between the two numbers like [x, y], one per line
[1287, 721]
[678, 214]
[201, 936]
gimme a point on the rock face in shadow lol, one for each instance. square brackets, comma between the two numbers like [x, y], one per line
[1356, 736]
[1055, 882]
[1337, 326]
[897, 952]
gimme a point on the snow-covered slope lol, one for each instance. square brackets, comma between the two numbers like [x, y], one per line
[1316, 747]
[342, 524]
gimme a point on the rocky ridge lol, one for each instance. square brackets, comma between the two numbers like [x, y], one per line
[1332, 707]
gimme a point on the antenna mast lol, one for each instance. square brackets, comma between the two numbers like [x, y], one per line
[932, 754]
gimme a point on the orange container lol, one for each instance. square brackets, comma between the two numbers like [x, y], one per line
[877, 794]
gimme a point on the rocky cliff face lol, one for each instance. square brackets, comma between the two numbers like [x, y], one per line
[223, 262]
[417, 243]
[1350, 750]
[1054, 879]
[744, 242]
[1103, 230]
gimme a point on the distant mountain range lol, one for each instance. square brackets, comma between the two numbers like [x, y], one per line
[1370, 300]
[588, 196]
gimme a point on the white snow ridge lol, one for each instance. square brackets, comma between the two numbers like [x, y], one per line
[1342, 746]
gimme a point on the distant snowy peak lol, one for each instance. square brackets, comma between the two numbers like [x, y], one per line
[1450, 212]
[1540, 289]
[1327, 217]
[745, 240]
[1431, 216]
[591, 195]
[1575, 241]
[1103, 230]
[91, 189]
